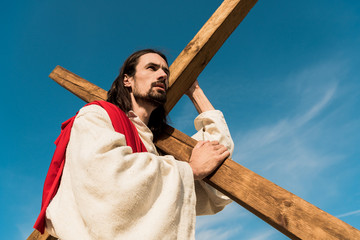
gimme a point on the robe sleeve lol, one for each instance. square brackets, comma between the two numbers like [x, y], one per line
[115, 191]
[211, 126]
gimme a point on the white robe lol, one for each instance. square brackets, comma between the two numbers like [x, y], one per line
[108, 192]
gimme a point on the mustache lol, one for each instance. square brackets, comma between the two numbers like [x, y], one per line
[159, 83]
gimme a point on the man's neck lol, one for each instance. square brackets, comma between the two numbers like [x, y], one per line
[143, 110]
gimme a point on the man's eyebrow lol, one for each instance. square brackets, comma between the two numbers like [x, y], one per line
[166, 70]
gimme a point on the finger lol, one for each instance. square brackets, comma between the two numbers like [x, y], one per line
[217, 147]
[214, 142]
[221, 148]
[208, 143]
[201, 143]
[225, 154]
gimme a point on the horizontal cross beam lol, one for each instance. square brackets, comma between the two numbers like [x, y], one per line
[283, 210]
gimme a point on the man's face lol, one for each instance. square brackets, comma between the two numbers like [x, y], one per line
[150, 81]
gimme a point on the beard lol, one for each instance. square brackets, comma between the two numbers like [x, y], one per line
[154, 97]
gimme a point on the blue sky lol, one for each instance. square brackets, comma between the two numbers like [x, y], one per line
[287, 81]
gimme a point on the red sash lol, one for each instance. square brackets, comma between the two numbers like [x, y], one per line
[121, 124]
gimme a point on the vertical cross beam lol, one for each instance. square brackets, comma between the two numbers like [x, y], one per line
[197, 54]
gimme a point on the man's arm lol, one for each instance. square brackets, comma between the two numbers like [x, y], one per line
[211, 126]
[197, 96]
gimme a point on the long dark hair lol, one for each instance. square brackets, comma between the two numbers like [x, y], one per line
[120, 95]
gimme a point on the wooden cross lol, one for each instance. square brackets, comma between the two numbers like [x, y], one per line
[283, 210]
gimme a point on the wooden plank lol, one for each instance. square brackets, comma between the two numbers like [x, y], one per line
[283, 210]
[77, 85]
[197, 54]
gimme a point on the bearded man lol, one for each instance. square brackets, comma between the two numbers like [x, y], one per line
[114, 184]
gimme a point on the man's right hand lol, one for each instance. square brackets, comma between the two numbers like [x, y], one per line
[206, 157]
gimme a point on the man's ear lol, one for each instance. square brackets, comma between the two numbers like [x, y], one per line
[127, 81]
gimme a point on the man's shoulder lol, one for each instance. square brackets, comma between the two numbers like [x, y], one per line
[93, 111]
[93, 108]
[101, 111]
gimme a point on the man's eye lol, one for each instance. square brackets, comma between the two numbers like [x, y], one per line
[152, 67]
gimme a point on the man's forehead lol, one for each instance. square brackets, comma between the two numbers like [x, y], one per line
[152, 58]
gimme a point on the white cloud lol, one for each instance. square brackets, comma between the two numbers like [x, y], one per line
[235, 222]
[23, 201]
[218, 226]
[223, 233]
[357, 212]
[317, 107]
[286, 151]
[263, 235]
[232, 211]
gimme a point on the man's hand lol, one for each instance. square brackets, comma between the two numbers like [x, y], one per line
[206, 157]
[195, 86]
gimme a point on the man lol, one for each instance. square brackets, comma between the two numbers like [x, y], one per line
[114, 184]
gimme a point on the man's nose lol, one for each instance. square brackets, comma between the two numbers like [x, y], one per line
[162, 75]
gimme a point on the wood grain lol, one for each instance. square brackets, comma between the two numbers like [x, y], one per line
[77, 85]
[200, 50]
[283, 210]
